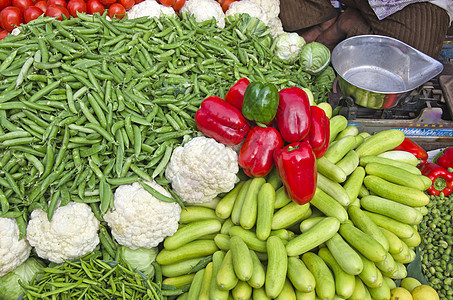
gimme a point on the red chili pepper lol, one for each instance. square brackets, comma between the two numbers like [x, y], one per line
[319, 133]
[235, 94]
[221, 121]
[411, 146]
[446, 159]
[293, 114]
[441, 178]
[296, 165]
[255, 156]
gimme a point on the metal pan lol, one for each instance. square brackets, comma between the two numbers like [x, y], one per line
[378, 71]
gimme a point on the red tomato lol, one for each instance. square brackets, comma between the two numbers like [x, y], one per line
[167, 2]
[10, 18]
[42, 4]
[178, 4]
[116, 10]
[127, 3]
[22, 4]
[4, 3]
[31, 13]
[107, 2]
[138, 1]
[75, 6]
[57, 11]
[95, 6]
[3, 34]
[57, 2]
[226, 4]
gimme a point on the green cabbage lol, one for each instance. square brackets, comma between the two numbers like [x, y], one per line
[9, 284]
[288, 46]
[140, 259]
[314, 58]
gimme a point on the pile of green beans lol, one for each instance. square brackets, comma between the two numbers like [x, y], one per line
[90, 277]
[436, 248]
[88, 104]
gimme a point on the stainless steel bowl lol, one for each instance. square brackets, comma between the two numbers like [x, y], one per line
[378, 71]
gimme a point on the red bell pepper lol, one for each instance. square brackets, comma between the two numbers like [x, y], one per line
[446, 158]
[319, 133]
[221, 121]
[441, 178]
[235, 94]
[293, 114]
[255, 156]
[411, 146]
[296, 165]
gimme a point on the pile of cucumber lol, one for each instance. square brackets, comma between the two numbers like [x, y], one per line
[351, 241]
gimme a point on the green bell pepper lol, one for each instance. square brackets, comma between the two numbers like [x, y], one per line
[260, 102]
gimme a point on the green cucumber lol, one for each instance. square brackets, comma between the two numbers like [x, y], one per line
[402, 194]
[226, 278]
[277, 266]
[392, 209]
[364, 160]
[265, 211]
[313, 237]
[333, 189]
[338, 123]
[193, 249]
[348, 259]
[362, 221]
[339, 149]
[249, 209]
[396, 175]
[191, 232]
[354, 182]
[290, 214]
[349, 130]
[301, 278]
[381, 142]
[329, 206]
[242, 261]
[330, 170]
[325, 283]
[344, 282]
[225, 206]
[349, 162]
[362, 242]
[402, 230]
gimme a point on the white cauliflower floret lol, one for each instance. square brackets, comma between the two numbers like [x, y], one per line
[71, 233]
[138, 219]
[288, 46]
[12, 251]
[276, 27]
[248, 7]
[271, 7]
[204, 10]
[202, 169]
[149, 8]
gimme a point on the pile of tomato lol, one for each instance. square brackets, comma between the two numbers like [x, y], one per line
[16, 12]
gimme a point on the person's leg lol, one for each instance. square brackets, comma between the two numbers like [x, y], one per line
[349, 22]
[307, 17]
[422, 25]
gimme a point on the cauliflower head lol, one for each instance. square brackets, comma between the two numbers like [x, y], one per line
[289, 45]
[276, 27]
[248, 7]
[149, 8]
[202, 169]
[272, 7]
[13, 252]
[71, 233]
[138, 219]
[204, 10]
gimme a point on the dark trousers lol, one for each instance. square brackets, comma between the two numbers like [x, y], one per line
[422, 25]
